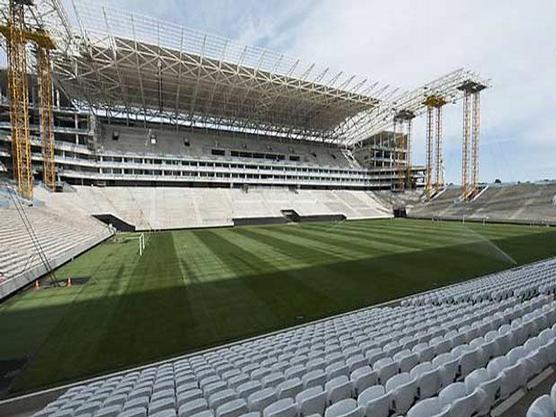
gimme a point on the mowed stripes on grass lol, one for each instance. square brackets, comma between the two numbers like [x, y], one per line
[199, 288]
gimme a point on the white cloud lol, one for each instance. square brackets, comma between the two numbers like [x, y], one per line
[407, 43]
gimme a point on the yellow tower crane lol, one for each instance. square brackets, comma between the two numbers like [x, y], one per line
[17, 36]
[434, 102]
[44, 72]
[470, 145]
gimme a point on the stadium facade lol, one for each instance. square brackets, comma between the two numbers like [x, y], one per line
[114, 150]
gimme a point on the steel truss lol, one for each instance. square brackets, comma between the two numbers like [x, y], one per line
[470, 143]
[465, 143]
[403, 120]
[439, 152]
[429, 151]
[124, 65]
[413, 101]
[146, 68]
[475, 141]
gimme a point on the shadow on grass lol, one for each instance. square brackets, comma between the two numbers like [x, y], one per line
[106, 334]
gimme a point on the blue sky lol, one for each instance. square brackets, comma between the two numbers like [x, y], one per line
[407, 42]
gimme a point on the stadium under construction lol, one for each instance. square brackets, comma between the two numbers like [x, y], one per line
[165, 190]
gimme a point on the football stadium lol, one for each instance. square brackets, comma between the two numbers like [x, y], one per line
[192, 227]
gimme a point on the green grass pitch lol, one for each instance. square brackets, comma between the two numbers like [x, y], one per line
[199, 288]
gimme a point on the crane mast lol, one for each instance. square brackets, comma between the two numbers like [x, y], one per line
[18, 35]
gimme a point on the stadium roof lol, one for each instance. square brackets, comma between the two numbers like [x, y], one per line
[138, 65]
[133, 66]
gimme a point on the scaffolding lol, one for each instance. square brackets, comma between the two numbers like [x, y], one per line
[439, 162]
[434, 104]
[429, 151]
[475, 141]
[465, 143]
[15, 34]
[44, 72]
[470, 142]
[403, 120]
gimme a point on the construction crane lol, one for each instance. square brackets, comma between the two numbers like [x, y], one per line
[434, 102]
[44, 73]
[18, 35]
[470, 144]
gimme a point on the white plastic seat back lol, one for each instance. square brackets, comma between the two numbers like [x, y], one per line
[428, 383]
[451, 393]
[193, 407]
[490, 386]
[513, 377]
[431, 407]
[233, 408]
[497, 365]
[285, 407]
[536, 362]
[408, 362]
[314, 378]
[248, 388]
[375, 401]
[541, 407]
[386, 368]
[466, 405]
[289, 388]
[403, 389]
[259, 400]
[337, 389]
[363, 378]
[311, 401]
[448, 368]
[468, 361]
[344, 408]
[425, 352]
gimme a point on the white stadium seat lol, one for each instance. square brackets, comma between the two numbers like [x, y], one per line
[344, 408]
[375, 401]
[431, 407]
[311, 401]
[542, 407]
[403, 391]
[285, 407]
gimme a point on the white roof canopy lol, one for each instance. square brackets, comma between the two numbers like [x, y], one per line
[134, 66]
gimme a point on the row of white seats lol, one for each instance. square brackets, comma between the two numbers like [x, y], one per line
[179, 207]
[519, 282]
[59, 235]
[485, 387]
[476, 395]
[194, 386]
[463, 362]
[404, 354]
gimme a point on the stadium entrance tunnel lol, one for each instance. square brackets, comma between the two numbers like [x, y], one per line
[291, 215]
[295, 217]
[400, 212]
[288, 216]
[246, 221]
[116, 222]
